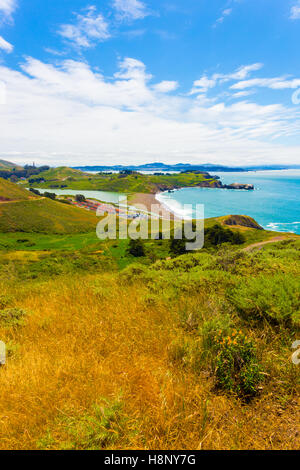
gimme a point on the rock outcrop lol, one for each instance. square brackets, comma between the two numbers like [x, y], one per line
[242, 221]
[248, 187]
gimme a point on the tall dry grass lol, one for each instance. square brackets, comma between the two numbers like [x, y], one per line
[91, 341]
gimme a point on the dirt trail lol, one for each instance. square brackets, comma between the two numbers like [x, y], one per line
[272, 240]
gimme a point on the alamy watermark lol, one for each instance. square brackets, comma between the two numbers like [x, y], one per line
[127, 222]
[296, 97]
[296, 354]
[2, 353]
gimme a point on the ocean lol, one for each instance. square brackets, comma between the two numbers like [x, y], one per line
[274, 203]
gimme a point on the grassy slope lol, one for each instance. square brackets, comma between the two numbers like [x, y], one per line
[4, 165]
[59, 173]
[119, 361]
[45, 216]
[74, 179]
[33, 214]
[89, 241]
[13, 192]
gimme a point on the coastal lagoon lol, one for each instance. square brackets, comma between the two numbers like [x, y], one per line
[274, 203]
[104, 196]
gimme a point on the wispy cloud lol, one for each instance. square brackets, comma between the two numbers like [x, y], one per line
[7, 7]
[224, 14]
[134, 33]
[205, 83]
[87, 30]
[5, 46]
[130, 9]
[243, 71]
[277, 83]
[242, 94]
[295, 11]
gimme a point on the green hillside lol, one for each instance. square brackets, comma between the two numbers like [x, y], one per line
[21, 211]
[45, 216]
[60, 173]
[4, 165]
[68, 178]
[13, 192]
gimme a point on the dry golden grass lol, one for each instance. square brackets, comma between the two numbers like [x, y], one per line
[89, 339]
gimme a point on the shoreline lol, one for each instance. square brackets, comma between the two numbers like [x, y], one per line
[153, 205]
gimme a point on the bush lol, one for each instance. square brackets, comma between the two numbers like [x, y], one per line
[50, 195]
[217, 235]
[136, 273]
[275, 299]
[178, 247]
[5, 300]
[97, 430]
[12, 317]
[79, 198]
[236, 364]
[136, 248]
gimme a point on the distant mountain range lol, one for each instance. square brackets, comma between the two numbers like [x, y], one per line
[158, 167]
[163, 167]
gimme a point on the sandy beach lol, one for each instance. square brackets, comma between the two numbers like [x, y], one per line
[152, 205]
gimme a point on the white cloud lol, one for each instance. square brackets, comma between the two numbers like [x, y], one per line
[7, 7]
[242, 94]
[166, 86]
[244, 71]
[205, 83]
[87, 30]
[5, 46]
[69, 114]
[295, 11]
[225, 13]
[130, 9]
[278, 83]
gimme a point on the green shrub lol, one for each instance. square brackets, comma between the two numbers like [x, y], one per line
[12, 317]
[177, 247]
[136, 272]
[236, 365]
[5, 300]
[275, 299]
[12, 349]
[136, 248]
[97, 430]
[217, 235]
[208, 333]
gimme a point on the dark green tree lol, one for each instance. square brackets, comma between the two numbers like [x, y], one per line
[136, 248]
[79, 198]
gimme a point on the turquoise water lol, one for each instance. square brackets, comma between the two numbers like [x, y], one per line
[274, 204]
[104, 196]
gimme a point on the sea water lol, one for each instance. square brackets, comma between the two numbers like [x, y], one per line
[274, 203]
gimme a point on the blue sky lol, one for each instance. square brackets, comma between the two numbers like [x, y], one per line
[127, 81]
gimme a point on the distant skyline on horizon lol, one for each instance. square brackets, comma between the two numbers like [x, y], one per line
[135, 81]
